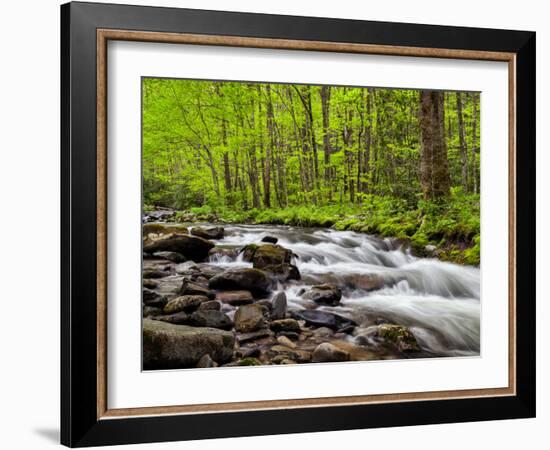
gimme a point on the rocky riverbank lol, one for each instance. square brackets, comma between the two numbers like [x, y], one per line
[210, 299]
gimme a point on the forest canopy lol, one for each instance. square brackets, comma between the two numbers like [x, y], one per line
[388, 161]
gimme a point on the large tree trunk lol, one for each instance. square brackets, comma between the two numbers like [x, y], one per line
[474, 148]
[462, 140]
[434, 167]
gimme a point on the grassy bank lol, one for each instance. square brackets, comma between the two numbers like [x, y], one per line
[451, 226]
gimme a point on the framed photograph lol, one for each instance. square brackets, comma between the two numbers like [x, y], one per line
[276, 224]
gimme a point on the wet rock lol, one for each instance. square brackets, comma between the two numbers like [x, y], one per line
[283, 340]
[150, 283]
[160, 214]
[209, 270]
[284, 352]
[254, 335]
[270, 255]
[150, 311]
[249, 362]
[284, 272]
[245, 352]
[270, 239]
[323, 332]
[168, 346]
[222, 254]
[208, 233]
[170, 256]
[327, 352]
[187, 268]
[285, 361]
[185, 303]
[190, 288]
[326, 319]
[279, 306]
[249, 318]
[325, 294]
[246, 279]
[292, 335]
[151, 298]
[179, 318]
[211, 319]
[285, 325]
[154, 273]
[205, 362]
[235, 297]
[399, 337]
[430, 249]
[248, 252]
[211, 305]
[191, 247]
[266, 304]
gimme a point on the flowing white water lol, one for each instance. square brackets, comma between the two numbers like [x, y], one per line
[439, 301]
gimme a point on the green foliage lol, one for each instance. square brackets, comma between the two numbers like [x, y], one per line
[308, 156]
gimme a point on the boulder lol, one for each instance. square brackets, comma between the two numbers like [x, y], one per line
[190, 288]
[185, 303]
[205, 362]
[248, 252]
[150, 311]
[151, 298]
[191, 247]
[170, 256]
[208, 233]
[325, 293]
[278, 306]
[270, 239]
[327, 352]
[283, 352]
[249, 361]
[326, 319]
[154, 273]
[283, 340]
[150, 283]
[211, 305]
[284, 272]
[399, 337]
[209, 270]
[210, 318]
[270, 255]
[246, 279]
[160, 228]
[179, 318]
[249, 318]
[168, 346]
[235, 297]
[285, 325]
[254, 335]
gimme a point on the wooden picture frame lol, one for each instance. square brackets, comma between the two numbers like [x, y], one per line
[86, 418]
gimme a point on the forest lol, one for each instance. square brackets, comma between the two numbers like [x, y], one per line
[389, 162]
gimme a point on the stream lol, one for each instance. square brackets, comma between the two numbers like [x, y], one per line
[438, 301]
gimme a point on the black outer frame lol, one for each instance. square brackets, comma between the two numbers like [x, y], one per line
[79, 423]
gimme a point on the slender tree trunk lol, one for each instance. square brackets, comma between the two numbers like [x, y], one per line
[462, 141]
[269, 148]
[475, 147]
[327, 148]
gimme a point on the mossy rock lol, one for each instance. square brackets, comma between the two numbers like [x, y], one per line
[249, 362]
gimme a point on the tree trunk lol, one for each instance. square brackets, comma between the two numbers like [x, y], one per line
[434, 167]
[462, 140]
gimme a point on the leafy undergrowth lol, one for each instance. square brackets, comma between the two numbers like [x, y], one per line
[452, 225]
